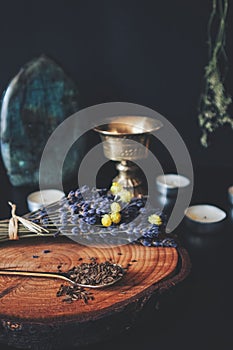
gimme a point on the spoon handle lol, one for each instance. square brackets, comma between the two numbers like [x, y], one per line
[62, 276]
[36, 274]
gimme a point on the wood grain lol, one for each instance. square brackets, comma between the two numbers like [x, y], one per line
[35, 298]
[33, 317]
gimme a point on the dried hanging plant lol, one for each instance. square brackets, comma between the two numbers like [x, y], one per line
[214, 102]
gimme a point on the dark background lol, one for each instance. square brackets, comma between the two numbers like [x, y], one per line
[151, 53]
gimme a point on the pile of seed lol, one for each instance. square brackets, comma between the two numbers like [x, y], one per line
[94, 274]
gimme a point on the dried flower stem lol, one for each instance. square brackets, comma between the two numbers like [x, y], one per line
[29, 225]
[214, 102]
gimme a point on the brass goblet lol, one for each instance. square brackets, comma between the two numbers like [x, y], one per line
[126, 139]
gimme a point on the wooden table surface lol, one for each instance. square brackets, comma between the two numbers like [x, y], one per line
[32, 298]
[197, 312]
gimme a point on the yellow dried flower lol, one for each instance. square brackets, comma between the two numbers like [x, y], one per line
[125, 196]
[155, 219]
[106, 220]
[116, 188]
[115, 217]
[115, 207]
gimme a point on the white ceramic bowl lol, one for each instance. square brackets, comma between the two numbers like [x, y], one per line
[168, 184]
[204, 218]
[37, 200]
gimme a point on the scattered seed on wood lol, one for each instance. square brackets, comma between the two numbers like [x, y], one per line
[73, 293]
[35, 256]
[80, 259]
[68, 300]
[119, 253]
[46, 251]
[134, 260]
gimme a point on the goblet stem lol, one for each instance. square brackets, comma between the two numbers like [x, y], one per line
[129, 179]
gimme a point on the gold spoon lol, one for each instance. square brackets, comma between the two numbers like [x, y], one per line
[63, 275]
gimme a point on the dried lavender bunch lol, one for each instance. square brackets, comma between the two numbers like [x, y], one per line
[90, 214]
[214, 102]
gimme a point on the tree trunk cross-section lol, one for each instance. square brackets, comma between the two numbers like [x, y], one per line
[31, 301]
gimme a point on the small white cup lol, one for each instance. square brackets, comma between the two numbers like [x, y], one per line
[168, 184]
[38, 199]
[204, 218]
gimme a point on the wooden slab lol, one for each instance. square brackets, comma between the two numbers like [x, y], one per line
[32, 302]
